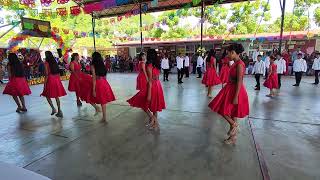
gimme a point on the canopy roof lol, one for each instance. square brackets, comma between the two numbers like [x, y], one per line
[163, 5]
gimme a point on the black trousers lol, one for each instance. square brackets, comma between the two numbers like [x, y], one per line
[165, 74]
[194, 68]
[279, 81]
[180, 74]
[186, 71]
[298, 76]
[199, 72]
[257, 76]
[316, 75]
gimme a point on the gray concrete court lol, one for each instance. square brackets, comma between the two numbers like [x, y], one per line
[281, 134]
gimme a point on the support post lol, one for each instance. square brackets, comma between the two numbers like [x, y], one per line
[202, 14]
[93, 33]
[283, 7]
[9, 30]
[40, 43]
[141, 35]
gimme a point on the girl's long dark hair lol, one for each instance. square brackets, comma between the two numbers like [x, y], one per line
[140, 56]
[73, 56]
[97, 62]
[212, 53]
[16, 66]
[152, 58]
[53, 65]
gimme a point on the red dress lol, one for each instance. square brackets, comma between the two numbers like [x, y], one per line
[157, 102]
[224, 72]
[74, 82]
[272, 80]
[104, 93]
[210, 77]
[223, 102]
[141, 79]
[17, 86]
[53, 88]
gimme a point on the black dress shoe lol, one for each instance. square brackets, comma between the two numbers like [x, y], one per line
[295, 85]
[257, 89]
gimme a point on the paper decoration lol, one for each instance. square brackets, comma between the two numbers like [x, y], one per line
[43, 28]
[75, 10]
[62, 11]
[6, 2]
[33, 12]
[83, 34]
[62, 1]
[42, 16]
[29, 3]
[55, 29]
[89, 8]
[47, 12]
[76, 33]
[109, 3]
[122, 2]
[46, 3]
[54, 15]
[65, 31]
[28, 26]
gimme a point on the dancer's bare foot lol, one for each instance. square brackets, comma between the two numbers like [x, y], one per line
[103, 120]
[231, 140]
[98, 110]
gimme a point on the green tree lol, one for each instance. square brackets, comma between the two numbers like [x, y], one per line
[317, 15]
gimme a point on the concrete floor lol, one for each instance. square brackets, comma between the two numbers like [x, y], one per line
[279, 140]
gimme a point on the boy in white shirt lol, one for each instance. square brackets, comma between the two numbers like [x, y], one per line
[199, 65]
[180, 68]
[186, 65]
[299, 67]
[259, 69]
[281, 68]
[316, 67]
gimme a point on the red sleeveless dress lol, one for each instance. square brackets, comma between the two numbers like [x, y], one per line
[157, 102]
[53, 88]
[224, 72]
[272, 80]
[210, 77]
[74, 82]
[104, 93]
[141, 79]
[223, 102]
[17, 86]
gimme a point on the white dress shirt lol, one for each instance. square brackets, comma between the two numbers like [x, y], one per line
[255, 55]
[199, 61]
[300, 65]
[281, 66]
[267, 62]
[259, 68]
[316, 64]
[179, 62]
[186, 61]
[165, 63]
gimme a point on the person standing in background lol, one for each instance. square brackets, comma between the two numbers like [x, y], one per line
[299, 67]
[194, 63]
[281, 68]
[316, 68]
[186, 65]
[255, 55]
[165, 67]
[199, 65]
[1, 73]
[180, 68]
[259, 69]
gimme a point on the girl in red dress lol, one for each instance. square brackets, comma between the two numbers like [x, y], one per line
[232, 101]
[96, 89]
[17, 86]
[224, 72]
[53, 87]
[74, 82]
[142, 76]
[151, 98]
[210, 77]
[272, 79]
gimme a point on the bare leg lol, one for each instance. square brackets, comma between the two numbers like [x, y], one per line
[23, 103]
[59, 114]
[104, 113]
[209, 91]
[78, 101]
[155, 124]
[51, 105]
[16, 100]
[151, 117]
[233, 130]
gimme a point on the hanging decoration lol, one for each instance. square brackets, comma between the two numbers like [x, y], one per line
[154, 3]
[75, 10]
[29, 3]
[62, 11]
[62, 1]
[46, 3]
[6, 2]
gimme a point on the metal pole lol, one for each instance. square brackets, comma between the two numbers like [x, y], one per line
[93, 33]
[141, 36]
[282, 22]
[202, 13]
[9, 30]
[40, 43]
